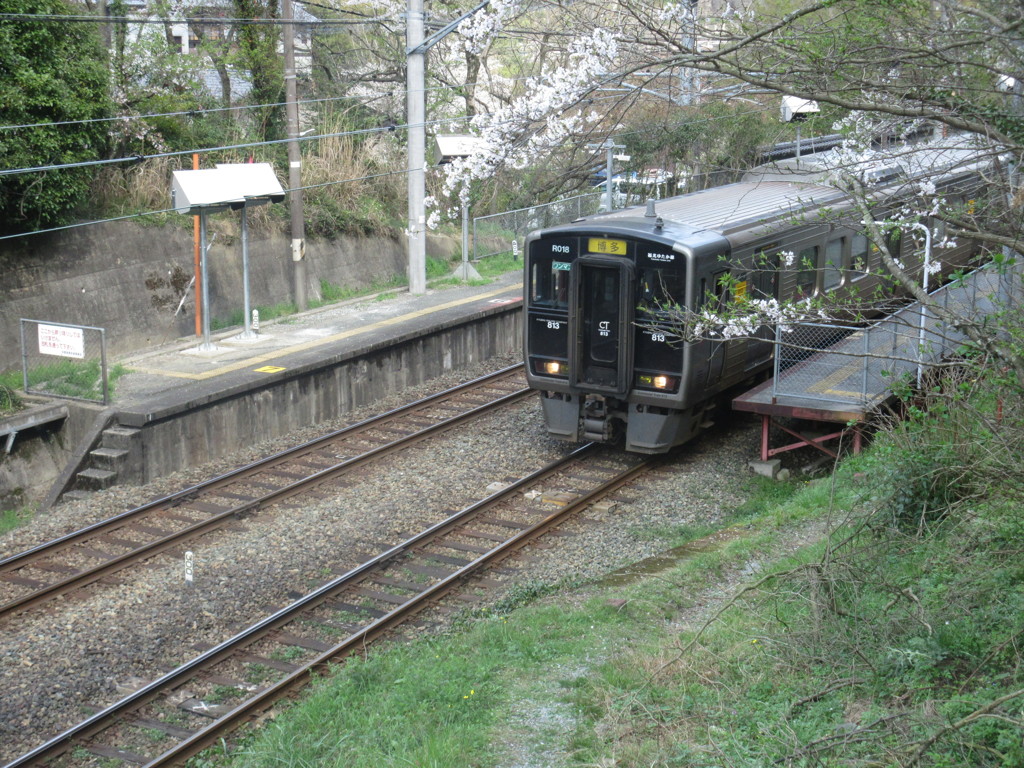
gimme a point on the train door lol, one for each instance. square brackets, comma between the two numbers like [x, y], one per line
[601, 307]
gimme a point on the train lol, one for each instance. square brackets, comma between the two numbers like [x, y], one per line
[597, 346]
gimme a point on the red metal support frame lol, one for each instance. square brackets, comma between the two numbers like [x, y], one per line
[803, 440]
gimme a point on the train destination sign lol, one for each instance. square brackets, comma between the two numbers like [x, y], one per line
[604, 245]
[61, 341]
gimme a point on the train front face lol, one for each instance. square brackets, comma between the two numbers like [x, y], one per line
[603, 373]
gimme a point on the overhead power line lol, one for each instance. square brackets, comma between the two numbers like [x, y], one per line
[242, 107]
[203, 20]
[224, 148]
[143, 214]
[180, 113]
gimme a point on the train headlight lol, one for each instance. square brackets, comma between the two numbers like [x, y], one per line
[657, 381]
[552, 367]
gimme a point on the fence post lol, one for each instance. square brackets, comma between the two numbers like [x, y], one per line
[778, 356]
[475, 257]
[866, 362]
[465, 232]
[103, 366]
[24, 359]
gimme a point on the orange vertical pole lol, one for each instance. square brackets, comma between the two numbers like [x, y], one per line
[196, 267]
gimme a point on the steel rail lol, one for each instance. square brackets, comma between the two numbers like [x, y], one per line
[110, 523]
[157, 546]
[263, 699]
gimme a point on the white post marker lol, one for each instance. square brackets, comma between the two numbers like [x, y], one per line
[255, 321]
[190, 562]
[515, 249]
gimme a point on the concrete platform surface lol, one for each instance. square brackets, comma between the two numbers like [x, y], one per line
[179, 373]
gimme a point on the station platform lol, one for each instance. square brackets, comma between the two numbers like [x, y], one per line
[840, 377]
[183, 370]
[186, 403]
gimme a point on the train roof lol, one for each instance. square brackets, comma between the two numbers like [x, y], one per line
[735, 212]
[770, 194]
[737, 207]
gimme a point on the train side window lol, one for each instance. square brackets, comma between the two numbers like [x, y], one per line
[894, 243]
[858, 257]
[661, 289]
[764, 279]
[832, 275]
[807, 272]
[549, 283]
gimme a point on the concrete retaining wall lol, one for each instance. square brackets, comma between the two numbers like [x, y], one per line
[130, 279]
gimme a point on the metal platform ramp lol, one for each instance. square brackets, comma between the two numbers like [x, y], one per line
[842, 375]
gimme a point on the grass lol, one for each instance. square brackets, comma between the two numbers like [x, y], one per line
[468, 692]
[63, 378]
[499, 264]
[835, 622]
[266, 313]
[10, 401]
[488, 269]
[13, 518]
[438, 272]
[332, 294]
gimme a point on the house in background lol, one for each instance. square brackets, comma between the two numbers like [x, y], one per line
[192, 28]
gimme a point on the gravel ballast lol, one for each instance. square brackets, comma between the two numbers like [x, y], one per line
[88, 648]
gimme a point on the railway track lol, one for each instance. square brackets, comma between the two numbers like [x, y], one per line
[197, 704]
[100, 550]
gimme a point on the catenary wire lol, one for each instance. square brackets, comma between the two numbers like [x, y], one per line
[296, 189]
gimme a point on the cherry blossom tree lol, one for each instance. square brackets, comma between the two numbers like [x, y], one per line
[877, 69]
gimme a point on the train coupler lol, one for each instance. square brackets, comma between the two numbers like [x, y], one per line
[598, 425]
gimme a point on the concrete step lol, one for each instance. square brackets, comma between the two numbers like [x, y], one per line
[96, 479]
[112, 459]
[119, 437]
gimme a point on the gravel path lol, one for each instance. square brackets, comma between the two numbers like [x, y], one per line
[85, 650]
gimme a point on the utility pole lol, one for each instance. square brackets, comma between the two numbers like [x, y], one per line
[294, 159]
[417, 113]
[609, 146]
[416, 48]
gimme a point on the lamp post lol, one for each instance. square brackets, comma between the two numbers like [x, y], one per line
[609, 146]
[924, 286]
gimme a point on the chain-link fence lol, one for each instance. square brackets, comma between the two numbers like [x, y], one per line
[497, 232]
[844, 364]
[60, 360]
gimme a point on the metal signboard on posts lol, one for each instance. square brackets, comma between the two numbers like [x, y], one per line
[62, 360]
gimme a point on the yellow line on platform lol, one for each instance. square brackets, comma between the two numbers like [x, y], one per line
[264, 358]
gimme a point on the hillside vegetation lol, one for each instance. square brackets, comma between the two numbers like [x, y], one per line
[871, 618]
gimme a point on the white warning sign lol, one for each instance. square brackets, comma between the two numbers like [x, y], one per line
[62, 341]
